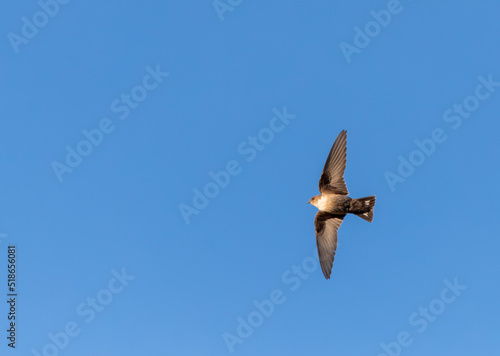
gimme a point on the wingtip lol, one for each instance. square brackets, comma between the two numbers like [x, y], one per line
[326, 272]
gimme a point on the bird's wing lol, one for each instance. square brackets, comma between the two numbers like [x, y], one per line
[326, 225]
[332, 178]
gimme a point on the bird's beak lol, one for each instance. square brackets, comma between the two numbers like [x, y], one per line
[308, 202]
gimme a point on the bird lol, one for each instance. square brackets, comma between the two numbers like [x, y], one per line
[334, 203]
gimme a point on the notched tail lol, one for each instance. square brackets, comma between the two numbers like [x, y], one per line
[363, 207]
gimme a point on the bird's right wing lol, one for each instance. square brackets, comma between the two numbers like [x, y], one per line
[332, 178]
[326, 225]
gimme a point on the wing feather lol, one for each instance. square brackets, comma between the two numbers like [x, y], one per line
[332, 177]
[326, 225]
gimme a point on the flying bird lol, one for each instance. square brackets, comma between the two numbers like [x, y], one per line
[333, 204]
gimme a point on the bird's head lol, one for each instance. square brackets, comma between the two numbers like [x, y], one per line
[313, 200]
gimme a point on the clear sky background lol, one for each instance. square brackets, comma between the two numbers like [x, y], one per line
[119, 207]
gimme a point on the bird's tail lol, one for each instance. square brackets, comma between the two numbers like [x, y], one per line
[363, 207]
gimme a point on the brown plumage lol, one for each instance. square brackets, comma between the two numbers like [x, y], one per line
[334, 204]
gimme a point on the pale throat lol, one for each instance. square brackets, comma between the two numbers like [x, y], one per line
[321, 203]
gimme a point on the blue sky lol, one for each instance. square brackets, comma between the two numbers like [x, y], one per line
[115, 115]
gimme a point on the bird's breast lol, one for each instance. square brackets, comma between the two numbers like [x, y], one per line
[324, 203]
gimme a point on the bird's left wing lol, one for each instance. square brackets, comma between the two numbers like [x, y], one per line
[326, 225]
[332, 177]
